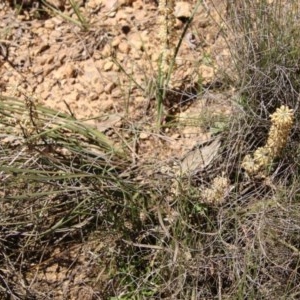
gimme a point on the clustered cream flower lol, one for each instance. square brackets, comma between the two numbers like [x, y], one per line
[167, 22]
[217, 192]
[282, 121]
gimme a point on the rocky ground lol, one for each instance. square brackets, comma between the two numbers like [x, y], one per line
[104, 71]
[110, 69]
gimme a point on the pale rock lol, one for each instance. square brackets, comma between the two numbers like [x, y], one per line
[97, 55]
[138, 4]
[124, 47]
[121, 57]
[90, 72]
[116, 41]
[116, 67]
[44, 95]
[94, 4]
[96, 81]
[144, 135]
[116, 93]
[57, 20]
[108, 66]
[49, 24]
[99, 65]
[136, 41]
[183, 10]
[139, 99]
[47, 69]
[207, 73]
[40, 79]
[57, 3]
[99, 89]
[35, 25]
[63, 82]
[79, 87]
[73, 96]
[41, 48]
[93, 96]
[204, 21]
[69, 71]
[106, 52]
[111, 7]
[66, 71]
[178, 24]
[175, 136]
[136, 55]
[21, 17]
[140, 16]
[109, 87]
[121, 15]
[41, 60]
[54, 35]
[155, 56]
[107, 104]
[129, 10]
[40, 31]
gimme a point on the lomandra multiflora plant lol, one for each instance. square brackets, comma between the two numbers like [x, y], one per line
[282, 121]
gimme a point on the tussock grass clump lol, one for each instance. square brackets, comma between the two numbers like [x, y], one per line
[61, 180]
[266, 53]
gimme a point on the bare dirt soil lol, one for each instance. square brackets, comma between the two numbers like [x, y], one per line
[106, 75]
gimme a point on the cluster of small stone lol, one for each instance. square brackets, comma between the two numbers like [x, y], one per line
[167, 22]
[217, 192]
[282, 122]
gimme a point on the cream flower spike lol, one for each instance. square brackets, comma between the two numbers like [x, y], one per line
[283, 117]
[282, 122]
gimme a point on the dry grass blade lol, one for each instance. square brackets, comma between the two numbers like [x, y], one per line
[53, 125]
